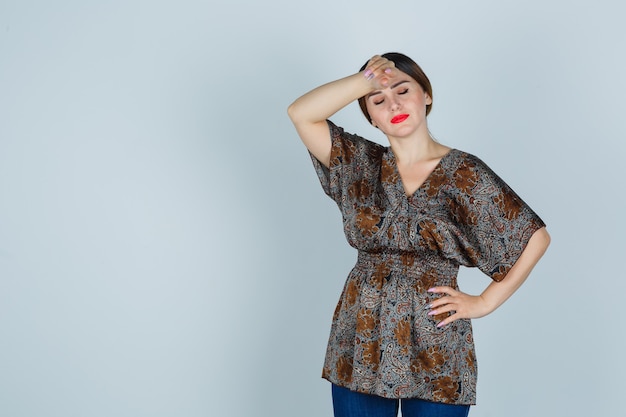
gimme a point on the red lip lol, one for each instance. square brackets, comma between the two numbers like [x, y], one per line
[399, 118]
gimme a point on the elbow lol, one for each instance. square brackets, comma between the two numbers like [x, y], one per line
[543, 239]
[292, 112]
[299, 113]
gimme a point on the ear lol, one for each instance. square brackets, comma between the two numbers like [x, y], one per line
[428, 99]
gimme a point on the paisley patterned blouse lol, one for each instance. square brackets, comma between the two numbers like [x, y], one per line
[382, 340]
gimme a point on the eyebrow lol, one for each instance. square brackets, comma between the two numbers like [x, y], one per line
[373, 93]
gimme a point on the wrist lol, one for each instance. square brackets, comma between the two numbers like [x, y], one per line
[489, 304]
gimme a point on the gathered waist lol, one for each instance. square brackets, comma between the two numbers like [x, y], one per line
[423, 266]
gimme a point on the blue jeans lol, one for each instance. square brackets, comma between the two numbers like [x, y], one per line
[348, 403]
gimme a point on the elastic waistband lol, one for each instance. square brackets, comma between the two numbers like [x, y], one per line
[404, 259]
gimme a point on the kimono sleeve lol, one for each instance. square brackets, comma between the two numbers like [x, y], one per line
[494, 223]
[350, 157]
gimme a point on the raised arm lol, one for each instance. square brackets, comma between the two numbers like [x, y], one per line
[309, 112]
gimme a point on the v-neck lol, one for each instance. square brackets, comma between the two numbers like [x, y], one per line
[400, 183]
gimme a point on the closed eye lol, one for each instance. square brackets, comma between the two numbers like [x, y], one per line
[376, 103]
[404, 91]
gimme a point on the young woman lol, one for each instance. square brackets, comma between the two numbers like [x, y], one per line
[416, 210]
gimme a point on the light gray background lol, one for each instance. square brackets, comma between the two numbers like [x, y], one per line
[166, 249]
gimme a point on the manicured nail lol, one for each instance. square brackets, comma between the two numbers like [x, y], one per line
[440, 324]
[367, 74]
[388, 71]
[432, 313]
[431, 290]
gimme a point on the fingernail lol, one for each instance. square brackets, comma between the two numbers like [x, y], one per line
[367, 74]
[388, 71]
[432, 313]
[440, 324]
[431, 290]
[369, 77]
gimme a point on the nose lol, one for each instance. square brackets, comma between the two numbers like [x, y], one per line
[394, 105]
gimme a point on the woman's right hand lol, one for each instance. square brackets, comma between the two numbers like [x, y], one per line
[379, 71]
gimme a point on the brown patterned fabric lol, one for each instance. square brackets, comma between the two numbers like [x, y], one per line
[382, 341]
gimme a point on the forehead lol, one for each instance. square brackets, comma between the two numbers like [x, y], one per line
[396, 82]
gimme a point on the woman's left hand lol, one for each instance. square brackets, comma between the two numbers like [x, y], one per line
[463, 306]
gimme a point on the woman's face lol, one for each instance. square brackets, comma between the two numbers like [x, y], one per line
[400, 109]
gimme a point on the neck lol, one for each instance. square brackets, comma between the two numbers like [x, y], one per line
[418, 147]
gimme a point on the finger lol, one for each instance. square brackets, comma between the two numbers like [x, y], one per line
[446, 308]
[443, 290]
[449, 293]
[374, 72]
[382, 65]
[376, 61]
[371, 66]
[440, 302]
[373, 59]
[380, 68]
